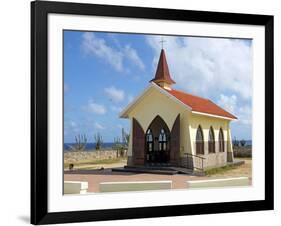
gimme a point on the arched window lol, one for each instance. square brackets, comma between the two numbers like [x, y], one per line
[199, 142]
[149, 140]
[162, 140]
[221, 141]
[211, 143]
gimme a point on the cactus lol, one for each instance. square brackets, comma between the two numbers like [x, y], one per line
[99, 141]
[242, 142]
[80, 143]
[125, 138]
[121, 146]
[235, 142]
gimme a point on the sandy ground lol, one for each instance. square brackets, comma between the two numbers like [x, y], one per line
[94, 177]
[244, 170]
[99, 166]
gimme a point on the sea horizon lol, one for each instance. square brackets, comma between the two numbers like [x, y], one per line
[108, 145]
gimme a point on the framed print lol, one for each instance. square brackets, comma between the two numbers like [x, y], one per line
[144, 112]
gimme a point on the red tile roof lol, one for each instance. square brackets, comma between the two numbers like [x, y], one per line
[200, 104]
[162, 73]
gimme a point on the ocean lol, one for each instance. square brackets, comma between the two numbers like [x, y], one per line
[89, 146]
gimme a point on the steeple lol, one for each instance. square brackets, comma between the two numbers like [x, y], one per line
[162, 75]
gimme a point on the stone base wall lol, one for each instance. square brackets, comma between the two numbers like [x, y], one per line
[213, 160]
[75, 156]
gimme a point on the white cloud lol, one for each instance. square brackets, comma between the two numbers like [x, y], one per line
[95, 108]
[114, 94]
[98, 47]
[245, 114]
[230, 103]
[208, 66]
[133, 56]
[99, 126]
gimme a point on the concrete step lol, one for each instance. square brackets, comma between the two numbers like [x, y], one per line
[188, 171]
[171, 170]
[145, 170]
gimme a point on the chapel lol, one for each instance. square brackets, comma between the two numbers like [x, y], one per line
[170, 127]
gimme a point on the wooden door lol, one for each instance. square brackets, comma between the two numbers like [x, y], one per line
[175, 142]
[138, 143]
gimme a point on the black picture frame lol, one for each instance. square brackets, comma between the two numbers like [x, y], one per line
[39, 112]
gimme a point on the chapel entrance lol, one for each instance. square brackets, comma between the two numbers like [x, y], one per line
[157, 142]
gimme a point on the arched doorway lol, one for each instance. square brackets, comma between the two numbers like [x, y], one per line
[157, 141]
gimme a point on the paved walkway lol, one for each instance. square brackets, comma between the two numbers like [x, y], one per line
[94, 177]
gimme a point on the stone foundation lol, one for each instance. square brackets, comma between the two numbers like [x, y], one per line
[75, 156]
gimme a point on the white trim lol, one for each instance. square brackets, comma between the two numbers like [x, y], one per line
[163, 91]
[215, 116]
[220, 179]
[137, 182]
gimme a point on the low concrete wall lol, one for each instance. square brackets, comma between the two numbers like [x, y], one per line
[75, 156]
[75, 187]
[134, 186]
[226, 182]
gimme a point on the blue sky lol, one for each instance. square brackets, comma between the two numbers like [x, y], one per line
[103, 72]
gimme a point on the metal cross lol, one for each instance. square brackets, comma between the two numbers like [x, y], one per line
[162, 41]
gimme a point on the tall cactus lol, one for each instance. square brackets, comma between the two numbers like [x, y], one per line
[99, 141]
[80, 143]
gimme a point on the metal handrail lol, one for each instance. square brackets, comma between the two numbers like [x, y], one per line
[196, 156]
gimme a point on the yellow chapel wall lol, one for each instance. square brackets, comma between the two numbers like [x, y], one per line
[212, 159]
[155, 103]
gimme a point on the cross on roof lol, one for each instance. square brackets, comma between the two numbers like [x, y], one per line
[162, 41]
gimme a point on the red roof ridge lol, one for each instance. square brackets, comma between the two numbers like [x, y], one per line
[200, 104]
[180, 91]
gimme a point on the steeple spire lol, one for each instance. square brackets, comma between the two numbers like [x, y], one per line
[162, 75]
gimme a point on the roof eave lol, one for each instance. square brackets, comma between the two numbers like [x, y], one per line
[124, 113]
[215, 116]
